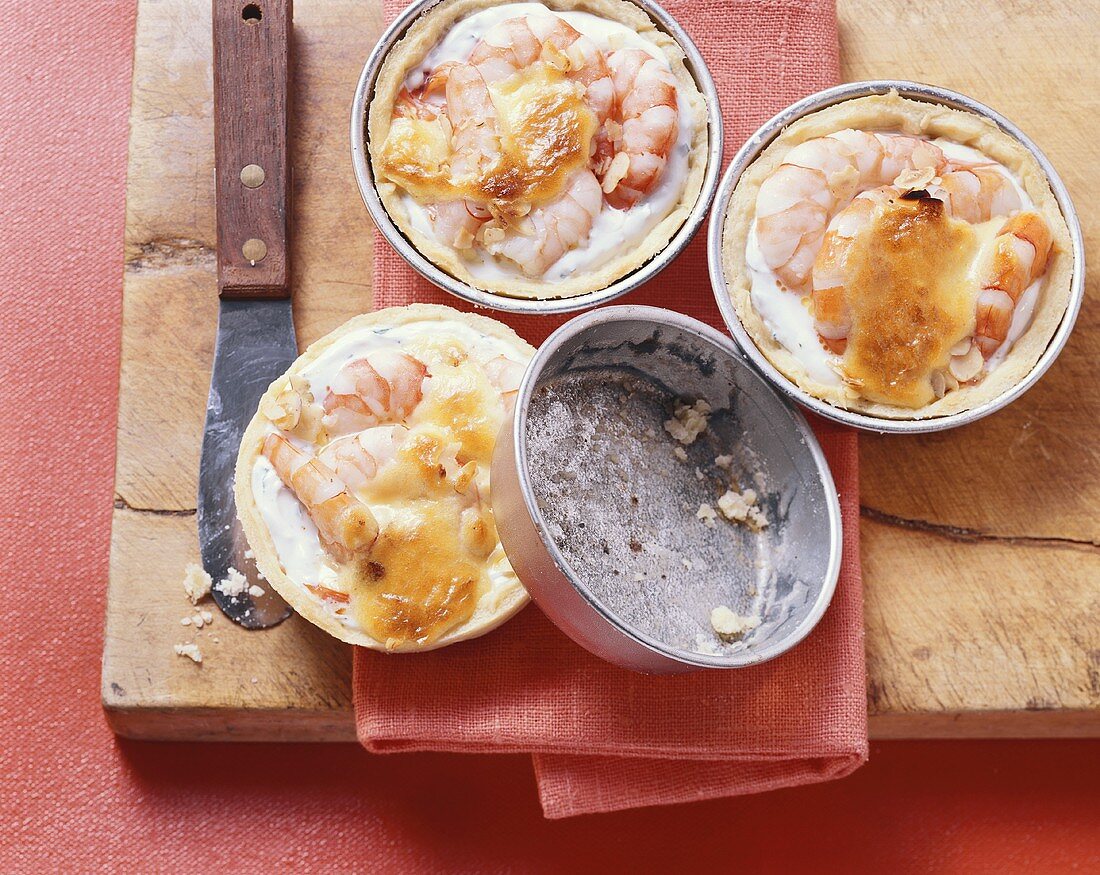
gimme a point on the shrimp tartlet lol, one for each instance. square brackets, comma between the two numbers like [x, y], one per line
[898, 258]
[363, 479]
[537, 151]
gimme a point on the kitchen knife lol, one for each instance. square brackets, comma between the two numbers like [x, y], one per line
[256, 340]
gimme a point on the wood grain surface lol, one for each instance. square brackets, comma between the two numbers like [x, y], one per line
[981, 546]
[252, 64]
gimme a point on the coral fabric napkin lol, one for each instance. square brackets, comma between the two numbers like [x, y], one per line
[604, 738]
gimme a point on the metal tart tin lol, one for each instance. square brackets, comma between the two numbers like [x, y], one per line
[915, 91]
[609, 545]
[364, 176]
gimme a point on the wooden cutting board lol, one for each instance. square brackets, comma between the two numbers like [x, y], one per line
[981, 546]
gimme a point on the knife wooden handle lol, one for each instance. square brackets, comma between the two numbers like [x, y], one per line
[251, 110]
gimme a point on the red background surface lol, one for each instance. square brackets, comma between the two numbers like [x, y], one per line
[72, 798]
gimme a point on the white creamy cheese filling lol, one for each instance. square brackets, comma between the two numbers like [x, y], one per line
[614, 231]
[293, 533]
[790, 319]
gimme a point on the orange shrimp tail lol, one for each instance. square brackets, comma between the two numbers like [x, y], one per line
[330, 595]
[831, 318]
[994, 317]
[1032, 228]
[1020, 256]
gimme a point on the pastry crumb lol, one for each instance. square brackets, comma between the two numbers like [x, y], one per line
[191, 651]
[196, 583]
[723, 461]
[740, 507]
[730, 626]
[707, 514]
[207, 617]
[255, 591]
[688, 422]
[680, 454]
[235, 584]
[197, 622]
[186, 621]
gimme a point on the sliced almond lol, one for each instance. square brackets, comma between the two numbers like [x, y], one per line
[939, 384]
[967, 367]
[575, 55]
[620, 164]
[465, 476]
[555, 57]
[915, 179]
[463, 239]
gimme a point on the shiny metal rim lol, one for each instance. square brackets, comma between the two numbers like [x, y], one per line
[364, 177]
[917, 91]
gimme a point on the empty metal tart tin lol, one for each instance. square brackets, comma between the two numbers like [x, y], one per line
[596, 503]
[759, 141]
[364, 176]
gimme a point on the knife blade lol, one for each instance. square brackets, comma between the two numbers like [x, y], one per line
[256, 341]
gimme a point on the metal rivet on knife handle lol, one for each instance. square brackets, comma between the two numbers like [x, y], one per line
[251, 63]
[252, 176]
[254, 250]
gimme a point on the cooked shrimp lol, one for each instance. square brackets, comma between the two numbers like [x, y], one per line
[454, 224]
[517, 43]
[425, 102]
[475, 141]
[505, 375]
[819, 177]
[476, 138]
[972, 194]
[1020, 256]
[344, 523]
[356, 458]
[645, 91]
[383, 386]
[549, 231]
[831, 316]
[976, 194]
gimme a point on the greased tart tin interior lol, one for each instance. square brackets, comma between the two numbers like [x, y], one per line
[961, 122]
[663, 505]
[412, 38]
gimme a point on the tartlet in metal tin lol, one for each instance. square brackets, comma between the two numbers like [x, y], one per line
[962, 128]
[623, 246]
